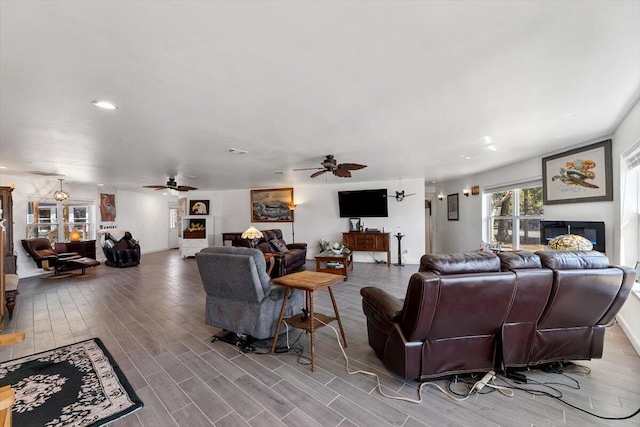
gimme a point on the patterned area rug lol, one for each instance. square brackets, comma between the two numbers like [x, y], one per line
[75, 385]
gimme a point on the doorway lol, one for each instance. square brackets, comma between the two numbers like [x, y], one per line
[173, 225]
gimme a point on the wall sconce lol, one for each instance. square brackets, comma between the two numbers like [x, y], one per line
[465, 192]
[440, 197]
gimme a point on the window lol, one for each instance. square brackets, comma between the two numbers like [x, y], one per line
[630, 209]
[173, 218]
[517, 208]
[44, 220]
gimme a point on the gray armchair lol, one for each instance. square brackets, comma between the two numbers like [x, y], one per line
[240, 295]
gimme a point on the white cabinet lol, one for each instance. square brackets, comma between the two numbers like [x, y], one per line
[189, 247]
[195, 234]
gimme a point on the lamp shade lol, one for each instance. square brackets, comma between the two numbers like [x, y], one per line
[251, 233]
[74, 236]
[570, 242]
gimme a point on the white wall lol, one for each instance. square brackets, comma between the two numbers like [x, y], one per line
[317, 217]
[466, 234]
[145, 215]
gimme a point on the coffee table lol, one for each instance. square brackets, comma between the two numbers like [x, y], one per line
[344, 263]
[308, 281]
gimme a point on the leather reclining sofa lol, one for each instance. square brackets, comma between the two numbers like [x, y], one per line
[289, 257]
[474, 312]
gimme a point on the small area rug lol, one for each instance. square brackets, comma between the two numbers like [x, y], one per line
[75, 385]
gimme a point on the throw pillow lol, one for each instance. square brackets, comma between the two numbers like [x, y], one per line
[279, 246]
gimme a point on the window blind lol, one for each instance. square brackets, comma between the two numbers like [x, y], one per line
[520, 184]
[632, 156]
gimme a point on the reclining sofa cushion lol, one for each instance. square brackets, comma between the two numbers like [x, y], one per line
[586, 294]
[533, 287]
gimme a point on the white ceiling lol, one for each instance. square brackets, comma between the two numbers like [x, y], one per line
[411, 89]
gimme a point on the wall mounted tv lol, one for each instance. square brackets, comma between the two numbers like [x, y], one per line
[592, 230]
[363, 203]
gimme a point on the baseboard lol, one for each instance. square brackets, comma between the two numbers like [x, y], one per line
[634, 340]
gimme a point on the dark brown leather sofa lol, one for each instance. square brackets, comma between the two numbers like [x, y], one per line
[475, 312]
[290, 261]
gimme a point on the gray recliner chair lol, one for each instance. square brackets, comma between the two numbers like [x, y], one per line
[240, 296]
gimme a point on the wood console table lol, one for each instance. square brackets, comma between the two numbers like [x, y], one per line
[84, 248]
[368, 242]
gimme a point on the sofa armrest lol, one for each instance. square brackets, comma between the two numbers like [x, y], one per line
[385, 305]
[297, 245]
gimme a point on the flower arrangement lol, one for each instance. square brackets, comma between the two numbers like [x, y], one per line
[336, 247]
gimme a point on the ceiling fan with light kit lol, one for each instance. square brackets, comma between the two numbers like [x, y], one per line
[329, 164]
[171, 185]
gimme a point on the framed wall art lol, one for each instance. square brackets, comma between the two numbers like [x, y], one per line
[452, 207]
[198, 207]
[580, 175]
[107, 207]
[272, 205]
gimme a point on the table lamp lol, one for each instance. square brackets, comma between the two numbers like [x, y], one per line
[252, 234]
[74, 236]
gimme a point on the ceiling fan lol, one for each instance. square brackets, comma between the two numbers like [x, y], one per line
[171, 185]
[343, 170]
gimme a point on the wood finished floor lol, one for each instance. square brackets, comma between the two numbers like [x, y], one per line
[151, 318]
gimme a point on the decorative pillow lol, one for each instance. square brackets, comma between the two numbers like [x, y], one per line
[279, 246]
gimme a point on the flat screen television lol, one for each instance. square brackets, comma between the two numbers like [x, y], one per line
[363, 203]
[592, 230]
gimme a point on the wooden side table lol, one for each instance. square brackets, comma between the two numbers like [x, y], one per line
[308, 281]
[344, 262]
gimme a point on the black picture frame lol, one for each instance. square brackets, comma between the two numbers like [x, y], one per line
[580, 175]
[453, 206]
[198, 207]
[354, 224]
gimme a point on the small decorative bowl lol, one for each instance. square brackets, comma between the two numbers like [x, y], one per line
[337, 251]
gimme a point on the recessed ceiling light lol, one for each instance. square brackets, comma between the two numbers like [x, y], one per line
[237, 151]
[105, 104]
[4, 167]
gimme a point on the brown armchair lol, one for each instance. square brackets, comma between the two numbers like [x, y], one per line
[48, 259]
[289, 257]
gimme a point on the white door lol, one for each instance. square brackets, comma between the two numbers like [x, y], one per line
[173, 225]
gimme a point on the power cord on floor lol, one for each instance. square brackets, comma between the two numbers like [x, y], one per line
[290, 348]
[487, 380]
[557, 394]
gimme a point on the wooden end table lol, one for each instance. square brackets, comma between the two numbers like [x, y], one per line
[308, 281]
[345, 262]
